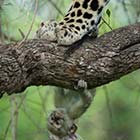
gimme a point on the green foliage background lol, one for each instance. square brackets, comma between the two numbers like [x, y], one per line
[114, 113]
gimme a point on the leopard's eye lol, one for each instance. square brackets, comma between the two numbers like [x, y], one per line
[58, 123]
[52, 118]
[73, 129]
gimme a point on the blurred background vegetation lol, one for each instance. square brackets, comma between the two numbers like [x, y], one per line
[115, 111]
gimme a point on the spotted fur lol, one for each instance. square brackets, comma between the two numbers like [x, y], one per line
[82, 18]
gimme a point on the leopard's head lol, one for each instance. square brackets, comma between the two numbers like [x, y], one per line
[47, 30]
[60, 124]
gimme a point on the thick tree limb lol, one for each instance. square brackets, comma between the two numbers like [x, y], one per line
[97, 61]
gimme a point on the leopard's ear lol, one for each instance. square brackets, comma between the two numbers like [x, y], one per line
[42, 24]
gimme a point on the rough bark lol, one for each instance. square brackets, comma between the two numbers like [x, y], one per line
[97, 61]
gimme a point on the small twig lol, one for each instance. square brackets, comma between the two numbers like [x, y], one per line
[1, 35]
[25, 38]
[14, 117]
[43, 100]
[126, 11]
[24, 109]
[108, 103]
[104, 21]
[109, 109]
[21, 33]
[10, 121]
[55, 6]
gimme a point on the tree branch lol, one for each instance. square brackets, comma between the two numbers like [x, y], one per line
[97, 61]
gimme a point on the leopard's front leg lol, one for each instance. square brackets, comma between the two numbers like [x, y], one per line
[83, 103]
[47, 31]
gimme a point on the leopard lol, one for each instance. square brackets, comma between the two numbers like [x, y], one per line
[70, 106]
[82, 19]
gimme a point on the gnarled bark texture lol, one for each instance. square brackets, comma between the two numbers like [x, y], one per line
[97, 61]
